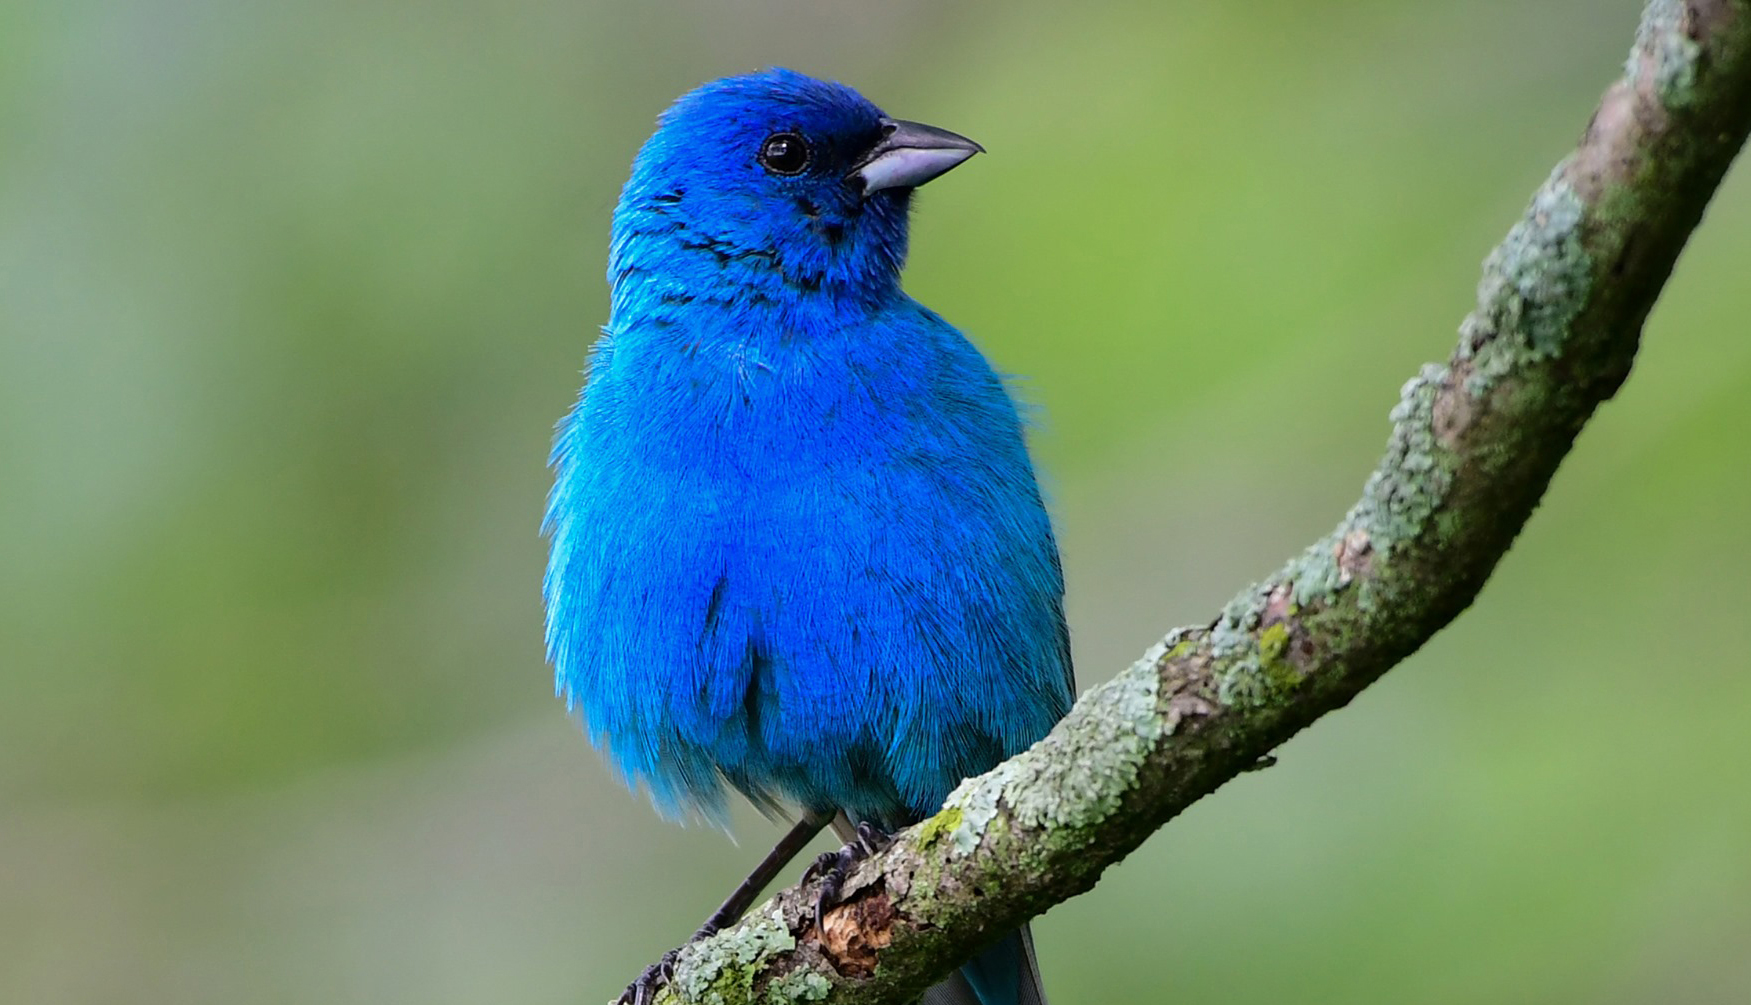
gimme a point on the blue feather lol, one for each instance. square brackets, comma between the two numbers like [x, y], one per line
[797, 546]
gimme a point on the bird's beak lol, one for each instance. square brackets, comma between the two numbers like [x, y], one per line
[910, 154]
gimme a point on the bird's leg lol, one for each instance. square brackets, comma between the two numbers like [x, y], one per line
[835, 867]
[641, 991]
[780, 856]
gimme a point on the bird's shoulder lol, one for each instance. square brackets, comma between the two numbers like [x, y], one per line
[754, 364]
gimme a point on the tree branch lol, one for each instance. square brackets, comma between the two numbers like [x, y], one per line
[1473, 446]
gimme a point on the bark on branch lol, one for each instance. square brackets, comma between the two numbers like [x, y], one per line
[1473, 446]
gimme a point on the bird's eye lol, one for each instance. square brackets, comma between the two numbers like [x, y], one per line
[784, 153]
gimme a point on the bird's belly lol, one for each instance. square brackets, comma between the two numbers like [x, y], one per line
[804, 645]
[792, 604]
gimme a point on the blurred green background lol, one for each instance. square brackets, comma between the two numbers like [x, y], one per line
[291, 294]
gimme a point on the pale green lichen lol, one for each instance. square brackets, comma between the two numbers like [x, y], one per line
[721, 970]
[1412, 480]
[1403, 494]
[1249, 656]
[1315, 574]
[1235, 649]
[1172, 646]
[1534, 286]
[976, 800]
[797, 986]
[1074, 777]
[1664, 46]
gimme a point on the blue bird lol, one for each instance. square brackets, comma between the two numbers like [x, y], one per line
[797, 546]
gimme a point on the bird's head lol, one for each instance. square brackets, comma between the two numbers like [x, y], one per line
[774, 179]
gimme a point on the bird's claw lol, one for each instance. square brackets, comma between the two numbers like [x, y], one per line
[871, 840]
[834, 867]
[644, 990]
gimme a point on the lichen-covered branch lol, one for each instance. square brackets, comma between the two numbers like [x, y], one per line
[1473, 446]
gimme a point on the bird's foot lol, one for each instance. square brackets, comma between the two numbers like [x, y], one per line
[644, 990]
[835, 867]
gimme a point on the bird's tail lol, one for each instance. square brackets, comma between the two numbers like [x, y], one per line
[1004, 974]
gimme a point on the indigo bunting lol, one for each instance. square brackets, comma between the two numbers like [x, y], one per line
[797, 546]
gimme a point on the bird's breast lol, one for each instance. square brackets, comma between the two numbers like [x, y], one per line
[769, 402]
